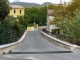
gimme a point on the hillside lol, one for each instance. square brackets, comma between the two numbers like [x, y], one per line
[25, 4]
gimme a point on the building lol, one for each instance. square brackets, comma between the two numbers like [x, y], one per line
[50, 17]
[16, 10]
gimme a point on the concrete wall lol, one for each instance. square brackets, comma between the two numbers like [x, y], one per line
[7, 47]
[41, 27]
[30, 28]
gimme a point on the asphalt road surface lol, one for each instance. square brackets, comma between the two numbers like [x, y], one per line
[36, 47]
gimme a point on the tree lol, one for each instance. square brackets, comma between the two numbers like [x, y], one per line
[52, 6]
[70, 27]
[4, 9]
[71, 8]
[43, 11]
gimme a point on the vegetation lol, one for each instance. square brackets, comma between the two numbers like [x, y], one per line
[67, 18]
[4, 9]
[37, 15]
[4, 53]
[12, 28]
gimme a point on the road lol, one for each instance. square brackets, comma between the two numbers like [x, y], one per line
[36, 47]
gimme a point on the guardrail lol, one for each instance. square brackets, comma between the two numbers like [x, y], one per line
[72, 47]
[7, 47]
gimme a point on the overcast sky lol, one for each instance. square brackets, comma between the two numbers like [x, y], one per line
[39, 1]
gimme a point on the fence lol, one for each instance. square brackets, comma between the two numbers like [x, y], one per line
[8, 34]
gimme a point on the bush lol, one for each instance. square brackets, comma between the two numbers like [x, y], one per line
[4, 53]
[10, 51]
[55, 31]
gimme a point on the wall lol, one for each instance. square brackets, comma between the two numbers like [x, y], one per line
[30, 28]
[17, 12]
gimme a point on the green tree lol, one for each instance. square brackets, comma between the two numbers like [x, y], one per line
[52, 6]
[37, 14]
[43, 11]
[70, 27]
[71, 8]
[4, 9]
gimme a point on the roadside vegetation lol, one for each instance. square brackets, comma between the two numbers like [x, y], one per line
[11, 29]
[67, 18]
[37, 15]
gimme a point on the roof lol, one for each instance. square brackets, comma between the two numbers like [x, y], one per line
[16, 6]
[50, 12]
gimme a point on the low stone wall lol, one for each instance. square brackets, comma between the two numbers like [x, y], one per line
[72, 47]
[7, 47]
[32, 28]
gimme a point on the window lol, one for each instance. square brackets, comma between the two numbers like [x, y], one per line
[14, 11]
[20, 11]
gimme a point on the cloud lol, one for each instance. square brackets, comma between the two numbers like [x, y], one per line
[14, 0]
[39, 1]
[11, 0]
[42, 1]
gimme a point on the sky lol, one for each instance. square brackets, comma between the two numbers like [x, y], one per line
[40, 1]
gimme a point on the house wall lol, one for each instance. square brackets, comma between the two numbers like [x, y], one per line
[49, 18]
[17, 13]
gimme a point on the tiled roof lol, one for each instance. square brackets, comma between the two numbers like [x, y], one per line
[50, 12]
[16, 6]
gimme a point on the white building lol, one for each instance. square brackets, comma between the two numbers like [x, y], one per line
[50, 17]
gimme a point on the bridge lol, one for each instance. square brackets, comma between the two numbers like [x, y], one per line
[36, 47]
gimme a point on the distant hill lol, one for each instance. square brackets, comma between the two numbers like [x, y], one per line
[25, 4]
[46, 4]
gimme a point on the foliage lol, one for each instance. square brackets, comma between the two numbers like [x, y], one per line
[9, 21]
[72, 7]
[30, 25]
[59, 10]
[4, 53]
[70, 27]
[67, 18]
[52, 6]
[36, 14]
[13, 29]
[4, 9]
